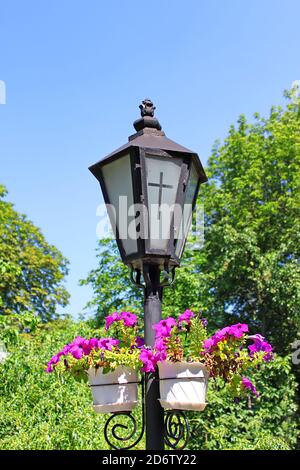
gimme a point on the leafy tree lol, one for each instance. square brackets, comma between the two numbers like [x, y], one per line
[249, 268]
[31, 270]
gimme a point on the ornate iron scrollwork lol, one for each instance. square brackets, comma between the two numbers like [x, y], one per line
[117, 432]
[177, 429]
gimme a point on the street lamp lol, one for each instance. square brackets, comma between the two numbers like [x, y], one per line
[150, 186]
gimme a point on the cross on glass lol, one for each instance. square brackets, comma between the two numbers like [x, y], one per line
[160, 185]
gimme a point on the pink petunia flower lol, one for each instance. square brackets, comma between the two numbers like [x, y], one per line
[248, 385]
[139, 342]
[164, 327]
[111, 319]
[185, 317]
[260, 344]
[149, 360]
[129, 319]
[108, 343]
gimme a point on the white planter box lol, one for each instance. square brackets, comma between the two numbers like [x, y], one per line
[178, 390]
[113, 391]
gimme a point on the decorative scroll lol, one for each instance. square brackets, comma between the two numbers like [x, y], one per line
[177, 430]
[119, 433]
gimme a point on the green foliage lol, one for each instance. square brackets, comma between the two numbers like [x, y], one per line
[43, 411]
[110, 281]
[46, 411]
[195, 338]
[31, 270]
[123, 357]
[12, 326]
[267, 422]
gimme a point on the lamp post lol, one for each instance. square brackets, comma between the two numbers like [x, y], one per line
[150, 186]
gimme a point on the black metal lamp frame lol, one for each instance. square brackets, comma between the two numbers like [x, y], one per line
[157, 268]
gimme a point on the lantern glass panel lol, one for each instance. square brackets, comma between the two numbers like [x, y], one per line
[162, 179]
[185, 223]
[118, 183]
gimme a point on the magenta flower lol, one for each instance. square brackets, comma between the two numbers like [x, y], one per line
[88, 344]
[108, 343]
[111, 319]
[55, 358]
[66, 349]
[161, 349]
[76, 351]
[248, 385]
[185, 317]
[78, 341]
[53, 361]
[94, 343]
[128, 318]
[86, 348]
[164, 327]
[160, 344]
[49, 368]
[236, 331]
[81, 347]
[209, 343]
[260, 344]
[149, 360]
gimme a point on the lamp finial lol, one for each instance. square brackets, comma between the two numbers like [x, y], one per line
[147, 120]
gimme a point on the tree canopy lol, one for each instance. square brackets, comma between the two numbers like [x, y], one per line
[31, 270]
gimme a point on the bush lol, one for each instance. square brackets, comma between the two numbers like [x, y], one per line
[44, 411]
[267, 422]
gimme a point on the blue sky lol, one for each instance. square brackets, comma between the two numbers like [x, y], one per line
[75, 73]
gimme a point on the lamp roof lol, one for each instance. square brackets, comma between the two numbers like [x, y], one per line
[149, 135]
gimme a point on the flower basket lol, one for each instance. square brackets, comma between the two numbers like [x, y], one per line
[183, 385]
[114, 391]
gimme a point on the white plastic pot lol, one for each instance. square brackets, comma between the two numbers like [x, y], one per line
[114, 391]
[183, 385]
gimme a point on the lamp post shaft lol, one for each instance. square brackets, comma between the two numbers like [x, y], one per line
[152, 315]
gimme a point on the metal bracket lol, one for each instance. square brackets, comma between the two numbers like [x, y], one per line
[137, 278]
[169, 277]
